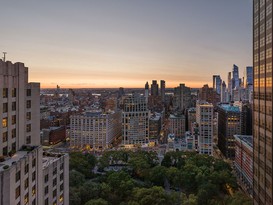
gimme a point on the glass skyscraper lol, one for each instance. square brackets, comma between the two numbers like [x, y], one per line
[262, 112]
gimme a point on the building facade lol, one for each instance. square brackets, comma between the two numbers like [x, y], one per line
[229, 124]
[94, 130]
[21, 156]
[177, 125]
[262, 114]
[204, 119]
[135, 120]
[55, 178]
[243, 162]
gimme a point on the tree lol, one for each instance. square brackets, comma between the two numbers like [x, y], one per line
[89, 190]
[158, 175]
[147, 196]
[76, 178]
[74, 196]
[96, 202]
[191, 200]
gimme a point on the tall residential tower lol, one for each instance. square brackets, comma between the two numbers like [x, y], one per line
[262, 104]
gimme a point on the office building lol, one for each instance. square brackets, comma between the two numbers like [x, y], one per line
[162, 90]
[191, 118]
[204, 119]
[182, 98]
[217, 82]
[146, 94]
[55, 178]
[207, 94]
[21, 156]
[53, 135]
[235, 77]
[177, 125]
[154, 127]
[224, 93]
[262, 110]
[154, 88]
[94, 130]
[229, 124]
[135, 120]
[243, 163]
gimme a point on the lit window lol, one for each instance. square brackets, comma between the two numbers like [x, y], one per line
[5, 122]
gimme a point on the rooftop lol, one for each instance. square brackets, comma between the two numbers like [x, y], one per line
[12, 160]
[247, 139]
[230, 108]
[49, 158]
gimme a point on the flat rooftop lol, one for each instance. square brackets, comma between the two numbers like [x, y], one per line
[13, 160]
[230, 108]
[247, 139]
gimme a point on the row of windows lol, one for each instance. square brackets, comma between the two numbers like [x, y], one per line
[13, 92]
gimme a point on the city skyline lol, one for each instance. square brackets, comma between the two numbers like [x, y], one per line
[103, 44]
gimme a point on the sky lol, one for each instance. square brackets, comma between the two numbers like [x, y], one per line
[124, 43]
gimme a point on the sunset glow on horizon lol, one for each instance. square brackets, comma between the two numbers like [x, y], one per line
[111, 44]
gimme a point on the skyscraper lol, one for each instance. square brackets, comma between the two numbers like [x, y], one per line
[235, 77]
[182, 97]
[224, 92]
[249, 76]
[154, 88]
[217, 81]
[262, 103]
[146, 94]
[23, 167]
[135, 120]
[204, 118]
[162, 90]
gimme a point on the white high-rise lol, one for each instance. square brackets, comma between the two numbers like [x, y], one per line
[135, 120]
[204, 118]
[21, 156]
[95, 129]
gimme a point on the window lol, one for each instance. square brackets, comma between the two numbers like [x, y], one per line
[17, 176]
[62, 187]
[55, 171]
[13, 146]
[26, 168]
[55, 182]
[61, 198]
[5, 151]
[28, 127]
[5, 92]
[61, 176]
[28, 115]
[13, 133]
[34, 162]
[46, 201]
[46, 178]
[34, 202]
[13, 92]
[5, 136]
[5, 107]
[13, 107]
[5, 122]
[55, 193]
[26, 183]
[33, 190]
[28, 92]
[17, 192]
[26, 199]
[62, 166]
[33, 176]
[28, 103]
[46, 190]
[13, 119]
[28, 140]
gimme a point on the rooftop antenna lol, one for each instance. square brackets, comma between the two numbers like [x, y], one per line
[4, 58]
